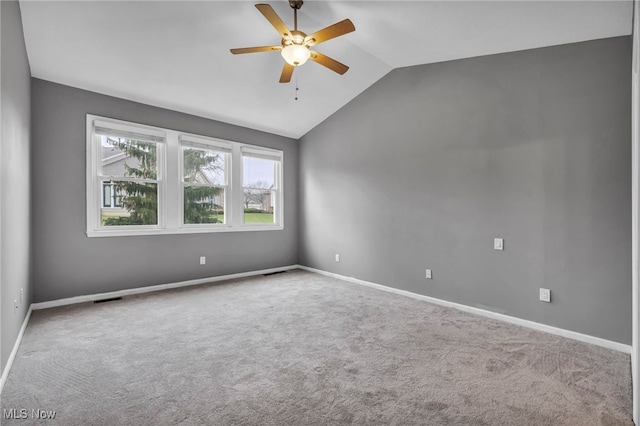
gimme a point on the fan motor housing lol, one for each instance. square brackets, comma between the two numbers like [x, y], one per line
[297, 37]
[295, 4]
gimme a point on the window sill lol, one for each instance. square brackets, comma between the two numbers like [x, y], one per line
[178, 231]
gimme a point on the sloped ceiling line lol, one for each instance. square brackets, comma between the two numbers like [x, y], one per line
[175, 54]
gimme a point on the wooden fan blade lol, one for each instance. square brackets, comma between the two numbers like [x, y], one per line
[332, 31]
[332, 64]
[255, 49]
[287, 71]
[275, 20]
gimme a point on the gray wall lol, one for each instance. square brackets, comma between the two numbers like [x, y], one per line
[14, 179]
[68, 263]
[426, 167]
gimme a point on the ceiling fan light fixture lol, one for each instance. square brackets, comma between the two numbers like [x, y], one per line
[296, 54]
[295, 45]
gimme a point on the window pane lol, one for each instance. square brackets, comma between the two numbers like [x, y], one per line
[258, 205]
[203, 204]
[203, 166]
[106, 194]
[260, 187]
[258, 173]
[128, 158]
[138, 204]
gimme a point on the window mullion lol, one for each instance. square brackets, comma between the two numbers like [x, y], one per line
[236, 191]
[172, 183]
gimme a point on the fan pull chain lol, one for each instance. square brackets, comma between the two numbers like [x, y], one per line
[296, 98]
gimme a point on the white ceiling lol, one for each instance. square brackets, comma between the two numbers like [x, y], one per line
[175, 54]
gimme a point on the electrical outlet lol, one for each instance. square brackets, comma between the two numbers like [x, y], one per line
[337, 257]
[428, 274]
[498, 244]
[545, 295]
[203, 260]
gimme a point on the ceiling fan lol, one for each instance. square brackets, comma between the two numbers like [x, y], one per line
[295, 45]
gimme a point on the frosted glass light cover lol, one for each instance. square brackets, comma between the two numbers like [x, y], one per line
[296, 54]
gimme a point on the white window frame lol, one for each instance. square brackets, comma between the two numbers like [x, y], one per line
[275, 156]
[225, 148]
[170, 182]
[95, 176]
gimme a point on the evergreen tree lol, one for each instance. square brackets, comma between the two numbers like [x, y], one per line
[140, 199]
[198, 204]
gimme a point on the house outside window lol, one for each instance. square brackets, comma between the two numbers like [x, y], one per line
[111, 196]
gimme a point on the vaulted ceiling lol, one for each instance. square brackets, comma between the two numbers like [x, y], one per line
[175, 54]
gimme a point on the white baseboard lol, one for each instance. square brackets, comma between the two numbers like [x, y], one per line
[478, 311]
[149, 289]
[14, 351]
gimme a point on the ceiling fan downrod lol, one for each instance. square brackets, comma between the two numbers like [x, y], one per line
[295, 5]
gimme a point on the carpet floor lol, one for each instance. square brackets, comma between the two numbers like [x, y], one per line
[299, 348]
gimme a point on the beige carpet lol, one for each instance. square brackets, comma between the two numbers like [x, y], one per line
[302, 349]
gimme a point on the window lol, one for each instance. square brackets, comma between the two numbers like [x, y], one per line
[126, 172]
[149, 180]
[260, 182]
[204, 183]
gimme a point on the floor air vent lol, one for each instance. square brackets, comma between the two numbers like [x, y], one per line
[273, 273]
[107, 300]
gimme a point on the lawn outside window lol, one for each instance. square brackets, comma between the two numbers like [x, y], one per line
[145, 180]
